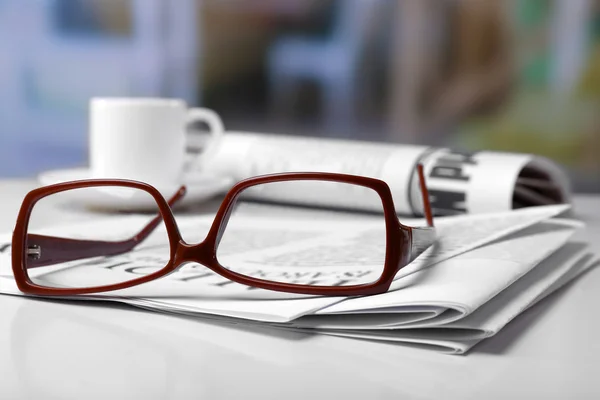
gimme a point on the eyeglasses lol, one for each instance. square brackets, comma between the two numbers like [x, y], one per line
[317, 260]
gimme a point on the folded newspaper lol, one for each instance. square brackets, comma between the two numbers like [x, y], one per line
[459, 182]
[484, 271]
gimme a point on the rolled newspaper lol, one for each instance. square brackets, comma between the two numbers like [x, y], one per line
[459, 182]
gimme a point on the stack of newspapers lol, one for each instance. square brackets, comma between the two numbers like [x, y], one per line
[510, 241]
[484, 270]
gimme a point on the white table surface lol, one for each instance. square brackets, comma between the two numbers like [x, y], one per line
[66, 350]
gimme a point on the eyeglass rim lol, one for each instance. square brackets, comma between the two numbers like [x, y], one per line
[398, 237]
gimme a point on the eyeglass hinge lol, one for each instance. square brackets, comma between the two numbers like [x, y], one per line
[34, 252]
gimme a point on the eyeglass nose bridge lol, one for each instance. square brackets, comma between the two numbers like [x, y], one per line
[201, 253]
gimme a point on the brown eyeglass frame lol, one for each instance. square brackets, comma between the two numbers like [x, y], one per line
[32, 250]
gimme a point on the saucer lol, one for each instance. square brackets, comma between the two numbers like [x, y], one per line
[199, 188]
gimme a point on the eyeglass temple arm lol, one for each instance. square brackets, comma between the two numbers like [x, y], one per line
[45, 250]
[423, 237]
[425, 194]
[151, 226]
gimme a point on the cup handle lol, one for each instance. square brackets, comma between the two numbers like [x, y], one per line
[216, 130]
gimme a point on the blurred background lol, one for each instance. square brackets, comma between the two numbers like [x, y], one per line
[514, 75]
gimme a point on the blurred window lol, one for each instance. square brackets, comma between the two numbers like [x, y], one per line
[93, 17]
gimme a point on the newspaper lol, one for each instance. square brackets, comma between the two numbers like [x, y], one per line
[461, 335]
[194, 287]
[458, 181]
[463, 283]
[484, 270]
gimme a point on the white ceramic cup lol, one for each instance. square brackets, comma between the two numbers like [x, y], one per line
[144, 138]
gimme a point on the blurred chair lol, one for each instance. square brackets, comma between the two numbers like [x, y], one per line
[334, 63]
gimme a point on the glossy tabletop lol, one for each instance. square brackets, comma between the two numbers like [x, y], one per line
[74, 350]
